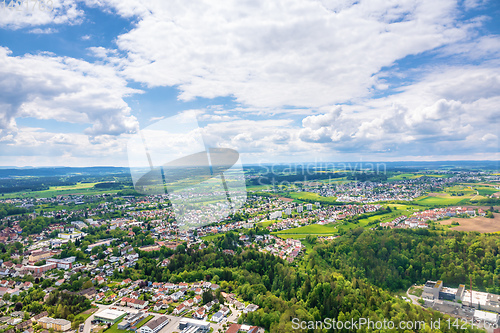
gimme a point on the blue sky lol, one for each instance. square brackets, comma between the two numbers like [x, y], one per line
[281, 81]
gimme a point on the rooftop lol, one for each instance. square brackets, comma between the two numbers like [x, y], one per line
[110, 314]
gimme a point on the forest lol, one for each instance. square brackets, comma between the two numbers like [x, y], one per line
[395, 259]
[62, 304]
[313, 290]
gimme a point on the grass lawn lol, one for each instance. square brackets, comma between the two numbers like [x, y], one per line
[266, 223]
[114, 328]
[87, 313]
[416, 291]
[144, 321]
[211, 237]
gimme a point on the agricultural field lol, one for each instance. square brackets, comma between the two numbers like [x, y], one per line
[312, 229]
[305, 196]
[258, 187]
[265, 224]
[77, 189]
[454, 195]
[210, 238]
[480, 224]
[442, 200]
[403, 176]
[486, 190]
[374, 220]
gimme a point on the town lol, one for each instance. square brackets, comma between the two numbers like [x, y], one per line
[116, 257]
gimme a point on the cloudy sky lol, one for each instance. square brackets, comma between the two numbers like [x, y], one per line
[280, 81]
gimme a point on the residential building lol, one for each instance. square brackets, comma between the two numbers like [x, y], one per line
[56, 324]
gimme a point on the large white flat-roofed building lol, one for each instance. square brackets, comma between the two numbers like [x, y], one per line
[481, 300]
[110, 316]
[486, 317]
[200, 325]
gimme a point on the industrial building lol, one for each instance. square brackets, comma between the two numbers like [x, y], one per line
[486, 317]
[155, 325]
[434, 290]
[194, 326]
[480, 306]
[110, 316]
[65, 263]
[131, 320]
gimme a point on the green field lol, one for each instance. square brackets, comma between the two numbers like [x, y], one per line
[442, 200]
[265, 223]
[484, 190]
[114, 328]
[333, 228]
[258, 187]
[304, 196]
[403, 176]
[373, 221]
[80, 188]
[210, 238]
[312, 229]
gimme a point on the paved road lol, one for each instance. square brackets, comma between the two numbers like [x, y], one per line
[86, 328]
[413, 298]
[233, 317]
[173, 324]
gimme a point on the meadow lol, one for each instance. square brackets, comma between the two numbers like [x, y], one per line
[444, 200]
[308, 196]
[77, 189]
[312, 229]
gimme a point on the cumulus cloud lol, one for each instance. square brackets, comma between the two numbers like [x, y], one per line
[270, 54]
[36, 13]
[447, 111]
[36, 146]
[302, 73]
[64, 89]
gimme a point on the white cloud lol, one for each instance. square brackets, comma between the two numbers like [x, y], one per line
[300, 58]
[45, 31]
[152, 119]
[270, 54]
[35, 146]
[35, 13]
[480, 48]
[63, 89]
[449, 111]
